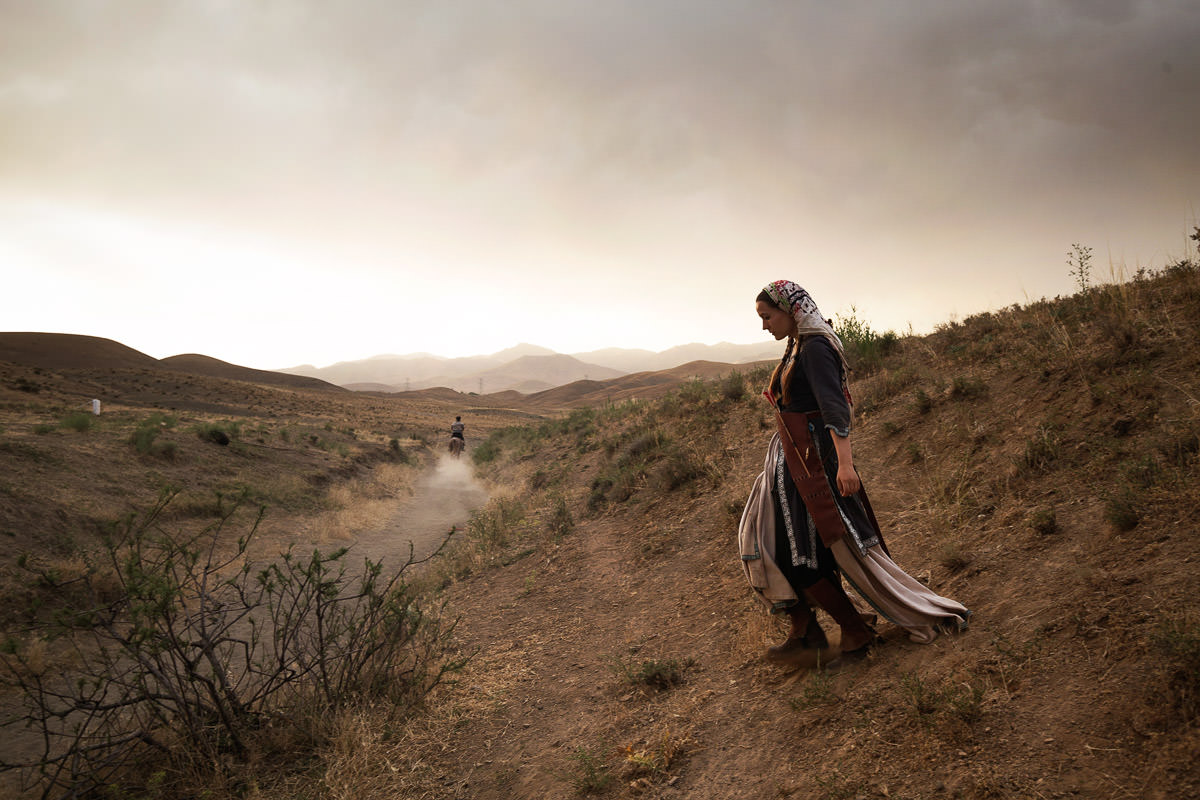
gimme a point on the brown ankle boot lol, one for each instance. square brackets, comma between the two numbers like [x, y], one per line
[857, 635]
[806, 645]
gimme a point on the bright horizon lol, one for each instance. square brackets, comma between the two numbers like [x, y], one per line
[275, 185]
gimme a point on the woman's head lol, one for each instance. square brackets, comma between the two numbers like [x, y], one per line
[788, 311]
[775, 320]
[791, 300]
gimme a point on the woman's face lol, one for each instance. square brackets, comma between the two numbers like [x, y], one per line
[777, 321]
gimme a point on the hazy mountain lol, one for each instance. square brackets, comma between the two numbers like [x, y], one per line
[416, 370]
[648, 361]
[547, 370]
[510, 369]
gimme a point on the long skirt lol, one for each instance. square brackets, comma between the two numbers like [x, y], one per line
[896, 595]
[861, 559]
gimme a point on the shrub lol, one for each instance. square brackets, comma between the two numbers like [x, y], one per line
[883, 387]
[1120, 511]
[144, 436]
[694, 392]
[492, 526]
[487, 451]
[922, 402]
[210, 432]
[962, 701]
[1179, 642]
[1041, 450]
[197, 656]
[675, 470]
[733, 386]
[1079, 264]
[560, 522]
[591, 775]
[1044, 521]
[865, 349]
[967, 388]
[653, 673]
[818, 690]
[80, 422]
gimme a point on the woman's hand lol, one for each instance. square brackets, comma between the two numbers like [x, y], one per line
[847, 479]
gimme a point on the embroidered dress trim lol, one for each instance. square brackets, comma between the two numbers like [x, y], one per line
[781, 483]
[781, 493]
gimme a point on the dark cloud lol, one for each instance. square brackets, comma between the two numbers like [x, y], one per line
[861, 128]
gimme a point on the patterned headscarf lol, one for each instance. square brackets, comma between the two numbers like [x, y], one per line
[792, 298]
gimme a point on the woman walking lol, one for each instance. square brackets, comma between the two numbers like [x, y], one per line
[808, 522]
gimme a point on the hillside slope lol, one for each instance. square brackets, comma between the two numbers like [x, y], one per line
[1038, 464]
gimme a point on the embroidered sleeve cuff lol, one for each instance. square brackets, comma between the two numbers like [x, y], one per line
[842, 432]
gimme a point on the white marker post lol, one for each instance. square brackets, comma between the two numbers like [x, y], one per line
[96, 407]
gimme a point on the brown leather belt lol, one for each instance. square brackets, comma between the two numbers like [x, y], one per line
[808, 473]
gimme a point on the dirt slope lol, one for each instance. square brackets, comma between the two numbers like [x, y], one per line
[1039, 465]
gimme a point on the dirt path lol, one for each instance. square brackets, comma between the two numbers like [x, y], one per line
[442, 497]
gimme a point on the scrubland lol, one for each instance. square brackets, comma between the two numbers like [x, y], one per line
[591, 633]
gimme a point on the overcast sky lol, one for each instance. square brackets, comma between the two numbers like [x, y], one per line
[274, 183]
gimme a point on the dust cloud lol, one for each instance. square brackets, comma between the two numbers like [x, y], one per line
[443, 497]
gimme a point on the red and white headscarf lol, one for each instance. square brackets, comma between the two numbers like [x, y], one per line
[792, 298]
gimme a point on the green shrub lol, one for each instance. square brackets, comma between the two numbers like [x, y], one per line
[591, 775]
[733, 386]
[694, 392]
[144, 436]
[80, 422]
[487, 451]
[397, 453]
[865, 349]
[492, 526]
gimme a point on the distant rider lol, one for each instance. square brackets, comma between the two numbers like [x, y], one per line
[456, 430]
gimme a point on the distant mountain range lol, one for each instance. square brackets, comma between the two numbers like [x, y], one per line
[532, 371]
[525, 368]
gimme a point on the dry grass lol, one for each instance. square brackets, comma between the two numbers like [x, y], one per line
[1025, 421]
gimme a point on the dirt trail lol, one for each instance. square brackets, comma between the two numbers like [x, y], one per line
[442, 497]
